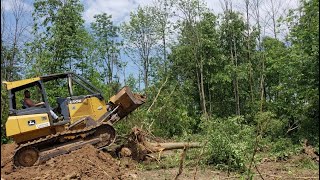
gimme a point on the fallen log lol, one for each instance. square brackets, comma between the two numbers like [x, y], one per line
[176, 145]
[138, 147]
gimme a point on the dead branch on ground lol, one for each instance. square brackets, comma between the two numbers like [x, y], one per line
[183, 155]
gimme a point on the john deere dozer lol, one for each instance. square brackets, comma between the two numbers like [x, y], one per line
[84, 118]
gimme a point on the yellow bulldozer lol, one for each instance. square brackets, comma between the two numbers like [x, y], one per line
[85, 117]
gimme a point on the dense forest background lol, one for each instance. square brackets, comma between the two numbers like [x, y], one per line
[236, 81]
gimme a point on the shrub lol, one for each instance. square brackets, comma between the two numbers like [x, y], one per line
[283, 148]
[228, 142]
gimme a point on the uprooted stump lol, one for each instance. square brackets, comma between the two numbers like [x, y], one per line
[138, 147]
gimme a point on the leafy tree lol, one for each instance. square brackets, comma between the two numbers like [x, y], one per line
[59, 34]
[106, 35]
[304, 61]
[140, 38]
[190, 45]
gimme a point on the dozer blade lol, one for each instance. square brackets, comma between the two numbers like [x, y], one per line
[127, 101]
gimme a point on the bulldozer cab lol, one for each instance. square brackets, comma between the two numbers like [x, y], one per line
[37, 87]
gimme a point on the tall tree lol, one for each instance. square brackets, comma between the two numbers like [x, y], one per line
[249, 57]
[233, 42]
[304, 55]
[192, 12]
[163, 11]
[274, 12]
[12, 39]
[140, 38]
[60, 46]
[108, 45]
[14, 26]
[256, 8]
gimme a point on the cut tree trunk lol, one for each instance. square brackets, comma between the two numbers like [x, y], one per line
[175, 145]
[138, 147]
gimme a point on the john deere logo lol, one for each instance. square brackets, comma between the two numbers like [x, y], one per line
[31, 122]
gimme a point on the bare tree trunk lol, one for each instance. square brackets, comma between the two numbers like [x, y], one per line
[190, 16]
[273, 10]
[199, 70]
[155, 99]
[18, 9]
[124, 73]
[262, 76]
[3, 58]
[199, 88]
[164, 51]
[273, 19]
[145, 57]
[236, 76]
[146, 72]
[210, 101]
[14, 48]
[109, 68]
[235, 83]
[112, 60]
[262, 85]
[204, 108]
[139, 81]
[234, 59]
[248, 53]
[70, 64]
[202, 89]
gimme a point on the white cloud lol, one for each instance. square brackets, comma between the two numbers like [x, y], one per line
[9, 5]
[119, 9]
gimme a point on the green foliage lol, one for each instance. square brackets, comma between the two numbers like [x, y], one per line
[307, 163]
[140, 38]
[64, 38]
[10, 69]
[107, 45]
[170, 121]
[132, 83]
[269, 126]
[305, 52]
[4, 113]
[172, 113]
[283, 148]
[229, 140]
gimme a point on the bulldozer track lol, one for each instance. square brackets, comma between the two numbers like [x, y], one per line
[102, 135]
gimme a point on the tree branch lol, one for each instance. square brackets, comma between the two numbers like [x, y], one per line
[155, 99]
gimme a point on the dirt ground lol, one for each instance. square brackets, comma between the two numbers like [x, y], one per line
[89, 163]
[85, 163]
[268, 171]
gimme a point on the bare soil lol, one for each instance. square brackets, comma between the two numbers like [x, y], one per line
[296, 167]
[90, 163]
[85, 163]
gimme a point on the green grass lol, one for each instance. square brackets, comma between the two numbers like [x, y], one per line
[307, 163]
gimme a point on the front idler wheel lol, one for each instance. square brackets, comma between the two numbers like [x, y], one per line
[26, 157]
